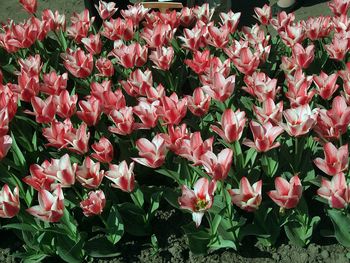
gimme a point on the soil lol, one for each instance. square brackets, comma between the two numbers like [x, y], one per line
[173, 246]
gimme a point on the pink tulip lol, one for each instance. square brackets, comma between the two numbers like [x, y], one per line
[303, 57]
[130, 56]
[230, 20]
[51, 205]
[78, 139]
[218, 37]
[5, 145]
[270, 112]
[37, 178]
[336, 191]
[232, 125]
[135, 12]
[153, 153]
[317, 27]
[90, 111]
[122, 176]
[336, 160]
[299, 120]
[112, 101]
[29, 5]
[326, 85]
[106, 9]
[66, 105]
[80, 25]
[293, 34]
[103, 150]
[263, 14]
[221, 88]
[339, 7]
[261, 86]
[162, 57]
[199, 103]
[246, 62]
[93, 44]
[247, 197]
[194, 38]
[78, 63]
[218, 166]
[331, 124]
[198, 200]
[175, 137]
[147, 112]
[264, 136]
[203, 12]
[89, 174]
[94, 204]
[105, 67]
[55, 20]
[171, 109]
[157, 36]
[4, 122]
[57, 133]
[44, 111]
[123, 120]
[338, 48]
[28, 86]
[138, 82]
[9, 202]
[115, 29]
[186, 17]
[54, 84]
[287, 194]
[200, 61]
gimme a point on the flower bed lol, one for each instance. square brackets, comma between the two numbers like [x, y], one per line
[245, 134]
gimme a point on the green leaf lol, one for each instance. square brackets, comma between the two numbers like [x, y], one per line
[172, 196]
[198, 239]
[134, 219]
[19, 157]
[21, 226]
[222, 243]
[70, 224]
[69, 250]
[155, 200]
[341, 224]
[171, 174]
[100, 248]
[115, 226]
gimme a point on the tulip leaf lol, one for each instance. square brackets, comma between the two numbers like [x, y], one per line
[115, 226]
[21, 226]
[198, 240]
[341, 224]
[19, 158]
[100, 248]
[171, 174]
[69, 250]
[172, 196]
[134, 219]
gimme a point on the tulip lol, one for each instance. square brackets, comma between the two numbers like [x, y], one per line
[54, 20]
[293, 34]
[339, 7]
[106, 9]
[175, 137]
[80, 25]
[29, 5]
[57, 133]
[28, 86]
[103, 150]
[199, 103]
[246, 62]
[92, 44]
[78, 63]
[270, 112]
[153, 153]
[4, 121]
[338, 48]
[123, 120]
[198, 200]
[247, 197]
[336, 191]
[200, 61]
[116, 29]
[138, 82]
[336, 160]
[331, 124]
[5, 145]
[186, 17]
[287, 194]
[300, 120]
[9, 202]
[232, 125]
[194, 38]
[89, 174]
[264, 136]
[66, 105]
[37, 178]
[54, 84]
[78, 139]
[172, 110]
[230, 20]
[147, 112]
[261, 86]
[218, 37]
[263, 14]
[90, 111]
[94, 204]
[203, 12]
[122, 176]
[44, 111]
[326, 85]
[130, 56]
[158, 35]
[105, 67]
[218, 166]
[162, 57]
[221, 88]
[136, 13]
[112, 101]
[303, 57]
[51, 205]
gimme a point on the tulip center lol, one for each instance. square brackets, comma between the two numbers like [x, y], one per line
[201, 204]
